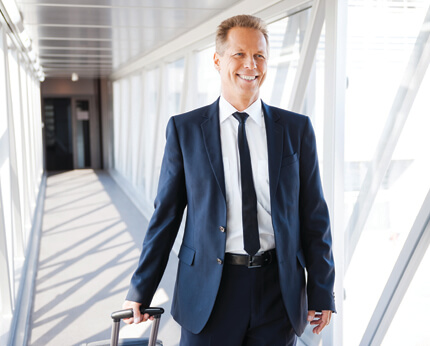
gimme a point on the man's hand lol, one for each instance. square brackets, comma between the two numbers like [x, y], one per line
[320, 319]
[137, 316]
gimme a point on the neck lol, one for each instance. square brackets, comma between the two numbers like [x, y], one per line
[240, 103]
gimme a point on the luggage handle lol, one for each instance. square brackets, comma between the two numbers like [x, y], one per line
[117, 316]
[128, 313]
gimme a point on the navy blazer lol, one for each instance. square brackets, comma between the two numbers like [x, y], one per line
[192, 176]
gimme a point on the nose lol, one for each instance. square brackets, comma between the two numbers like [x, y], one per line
[250, 62]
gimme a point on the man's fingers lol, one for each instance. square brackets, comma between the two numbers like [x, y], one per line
[311, 315]
[136, 314]
[320, 320]
[317, 330]
[128, 320]
[147, 317]
[326, 317]
[137, 318]
[320, 324]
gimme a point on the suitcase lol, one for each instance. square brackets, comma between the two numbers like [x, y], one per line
[117, 316]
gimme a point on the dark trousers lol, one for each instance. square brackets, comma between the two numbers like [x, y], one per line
[248, 311]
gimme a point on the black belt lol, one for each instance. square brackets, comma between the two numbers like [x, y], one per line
[257, 261]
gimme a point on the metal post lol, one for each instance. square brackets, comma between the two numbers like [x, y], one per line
[154, 331]
[5, 287]
[115, 333]
[333, 160]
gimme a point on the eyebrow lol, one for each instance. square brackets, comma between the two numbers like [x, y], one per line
[258, 52]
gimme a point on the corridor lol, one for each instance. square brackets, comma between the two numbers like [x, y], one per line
[87, 89]
[90, 243]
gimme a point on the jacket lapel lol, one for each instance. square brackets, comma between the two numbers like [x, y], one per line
[275, 138]
[212, 139]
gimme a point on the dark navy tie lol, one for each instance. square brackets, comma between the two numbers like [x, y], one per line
[251, 239]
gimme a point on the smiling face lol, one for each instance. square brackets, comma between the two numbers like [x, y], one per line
[242, 66]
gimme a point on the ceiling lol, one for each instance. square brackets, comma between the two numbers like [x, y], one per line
[95, 37]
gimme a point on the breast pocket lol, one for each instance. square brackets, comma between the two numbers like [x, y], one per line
[289, 179]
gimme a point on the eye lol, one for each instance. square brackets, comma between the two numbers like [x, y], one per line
[239, 54]
[260, 56]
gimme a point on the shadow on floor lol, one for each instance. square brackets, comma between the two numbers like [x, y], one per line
[91, 239]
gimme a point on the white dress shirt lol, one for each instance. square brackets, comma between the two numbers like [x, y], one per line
[257, 142]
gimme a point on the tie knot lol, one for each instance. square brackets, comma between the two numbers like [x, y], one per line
[241, 117]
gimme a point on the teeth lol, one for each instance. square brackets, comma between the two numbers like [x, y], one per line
[247, 77]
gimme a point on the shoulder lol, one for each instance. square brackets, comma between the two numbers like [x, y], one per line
[286, 117]
[194, 116]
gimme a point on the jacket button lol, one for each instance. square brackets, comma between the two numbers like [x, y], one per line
[222, 229]
[219, 260]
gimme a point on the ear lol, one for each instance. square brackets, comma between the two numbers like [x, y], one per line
[217, 62]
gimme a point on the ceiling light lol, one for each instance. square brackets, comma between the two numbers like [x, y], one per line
[41, 76]
[75, 77]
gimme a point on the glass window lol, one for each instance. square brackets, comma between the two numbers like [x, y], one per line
[150, 121]
[135, 129]
[83, 153]
[31, 115]
[38, 128]
[141, 152]
[172, 77]
[17, 135]
[125, 128]
[285, 41]
[20, 140]
[174, 86]
[116, 119]
[208, 81]
[3, 90]
[412, 312]
[121, 123]
[379, 59]
[6, 259]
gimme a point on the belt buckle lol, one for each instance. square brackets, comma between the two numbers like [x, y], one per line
[251, 263]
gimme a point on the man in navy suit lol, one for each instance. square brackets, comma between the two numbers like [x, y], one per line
[256, 216]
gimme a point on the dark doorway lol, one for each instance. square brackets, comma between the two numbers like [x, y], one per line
[58, 133]
[82, 108]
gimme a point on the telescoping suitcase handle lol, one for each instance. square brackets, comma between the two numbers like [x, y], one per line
[117, 316]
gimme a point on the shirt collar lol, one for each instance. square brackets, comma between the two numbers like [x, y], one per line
[254, 111]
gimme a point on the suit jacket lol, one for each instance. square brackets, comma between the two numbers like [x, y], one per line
[192, 176]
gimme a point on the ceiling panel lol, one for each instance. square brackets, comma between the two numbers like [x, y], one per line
[215, 4]
[78, 43]
[113, 17]
[97, 36]
[39, 32]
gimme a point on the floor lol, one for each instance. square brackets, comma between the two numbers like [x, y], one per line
[89, 248]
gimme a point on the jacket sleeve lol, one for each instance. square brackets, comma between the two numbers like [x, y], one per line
[315, 227]
[164, 224]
